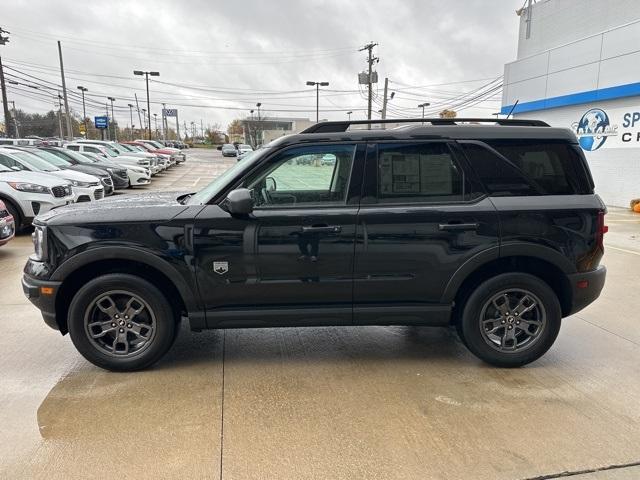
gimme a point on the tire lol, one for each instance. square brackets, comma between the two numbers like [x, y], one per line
[138, 339]
[484, 323]
[18, 218]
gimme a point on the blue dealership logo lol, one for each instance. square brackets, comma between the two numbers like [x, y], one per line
[593, 129]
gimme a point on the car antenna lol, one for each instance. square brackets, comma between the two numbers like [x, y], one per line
[513, 108]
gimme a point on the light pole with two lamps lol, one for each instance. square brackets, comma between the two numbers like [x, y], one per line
[318, 85]
[146, 74]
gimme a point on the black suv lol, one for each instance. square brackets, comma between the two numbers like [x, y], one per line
[493, 228]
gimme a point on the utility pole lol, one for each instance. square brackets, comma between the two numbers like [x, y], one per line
[177, 126]
[60, 115]
[105, 131]
[370, 60]
[64, 93]
[138, 108]
[5, 104]
[384, 100]
[15, 119]
[113, 120]
[164, 122]
[201, 129]
[130, 105]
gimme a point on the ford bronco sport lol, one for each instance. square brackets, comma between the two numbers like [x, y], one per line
[491, 226]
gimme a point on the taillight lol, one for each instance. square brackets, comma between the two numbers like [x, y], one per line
[601, 229]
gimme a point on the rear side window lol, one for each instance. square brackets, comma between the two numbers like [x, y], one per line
[423, 172]
[529, 168]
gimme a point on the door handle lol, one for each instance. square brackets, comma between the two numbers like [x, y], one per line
[450, 227]
[322, 229]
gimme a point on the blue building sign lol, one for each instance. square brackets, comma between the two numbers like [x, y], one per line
[101, 122]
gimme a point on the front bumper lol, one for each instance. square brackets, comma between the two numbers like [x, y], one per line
[37, 291]
[586, 287]
[120, 182]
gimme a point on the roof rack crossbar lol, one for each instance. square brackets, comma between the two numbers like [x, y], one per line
[343, 125]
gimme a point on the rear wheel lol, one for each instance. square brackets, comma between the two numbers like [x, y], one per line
[510, 320]
[121, 322]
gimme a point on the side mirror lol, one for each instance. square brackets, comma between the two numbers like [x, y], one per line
[270, 184]
[219, 147]
[239, 202]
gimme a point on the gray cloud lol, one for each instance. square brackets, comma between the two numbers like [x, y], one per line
[260, 45]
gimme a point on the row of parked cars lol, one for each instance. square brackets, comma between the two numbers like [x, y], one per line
[36, 177]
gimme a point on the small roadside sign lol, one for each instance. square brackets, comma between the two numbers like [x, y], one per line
[170, 112]
[101, 122]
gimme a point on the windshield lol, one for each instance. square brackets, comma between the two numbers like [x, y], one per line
[35, 162]
[73, 155]
[52, 158]
[155, 144]
[219, 183]
[125, 148]
[109, 150]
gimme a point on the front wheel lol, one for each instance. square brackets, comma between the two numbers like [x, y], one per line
[510, 320]
[121, 322]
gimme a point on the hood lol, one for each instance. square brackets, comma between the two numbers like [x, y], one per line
[75, 176]
[152, 206]
[44, 179]
[88, 169]
[168, 151]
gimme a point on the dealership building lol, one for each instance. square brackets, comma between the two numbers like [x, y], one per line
[578, 66]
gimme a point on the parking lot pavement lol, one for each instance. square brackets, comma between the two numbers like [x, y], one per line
[324, 403]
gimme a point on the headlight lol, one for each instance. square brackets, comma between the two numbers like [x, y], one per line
[110, 170]
[39, 238]
[81, 184]
[29, 187]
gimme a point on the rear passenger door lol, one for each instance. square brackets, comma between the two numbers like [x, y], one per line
[422, 217]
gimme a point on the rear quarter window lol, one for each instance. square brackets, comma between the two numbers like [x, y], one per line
[518, 167]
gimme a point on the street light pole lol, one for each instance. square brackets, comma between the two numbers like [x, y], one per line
[146, 74]
[130, 105]
[422, 105]
[84, 111]
[113, 118]
[318, 85]
[349, 113]
[155, 122]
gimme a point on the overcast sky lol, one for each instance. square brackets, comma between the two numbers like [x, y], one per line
[218, 58]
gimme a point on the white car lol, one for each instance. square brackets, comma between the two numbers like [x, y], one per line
[27, 194]
[177, 156]
[146, 159]
[108, 153]
[86, 187]
[244, 148]
[137, 175]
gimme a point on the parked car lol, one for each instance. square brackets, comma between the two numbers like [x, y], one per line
[138, 176]
[119, 177]
[85, 187]
[228, 150]
[27, 194]
[62, 158]
[145, 159]
[21, 142]
[244, 148]
[7, 225]
[176, 155]
[164, 157]
[494, 229]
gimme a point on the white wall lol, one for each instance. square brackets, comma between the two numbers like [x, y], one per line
[616, 171]
[556, 22]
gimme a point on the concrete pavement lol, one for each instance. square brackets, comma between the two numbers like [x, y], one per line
[325, 403]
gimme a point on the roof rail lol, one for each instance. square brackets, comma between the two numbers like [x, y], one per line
[343, 125]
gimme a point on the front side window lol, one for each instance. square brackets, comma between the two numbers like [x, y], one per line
[75, 148]
[310, 175]
[423, 172]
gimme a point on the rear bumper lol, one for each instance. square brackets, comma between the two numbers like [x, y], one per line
[586, 287]
[46, 303]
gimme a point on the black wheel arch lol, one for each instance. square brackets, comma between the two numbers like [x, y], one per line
[543, 262]
[84, 266]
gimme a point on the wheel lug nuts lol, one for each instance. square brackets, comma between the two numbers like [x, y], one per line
[503, 321]
[129, 325]
[121, 330]
[510, 327]
[516, 314]
[117, 316]
[518, 322]
[113, 324]
[126, 317]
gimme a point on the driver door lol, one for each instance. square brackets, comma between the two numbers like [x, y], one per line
[295, 266]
